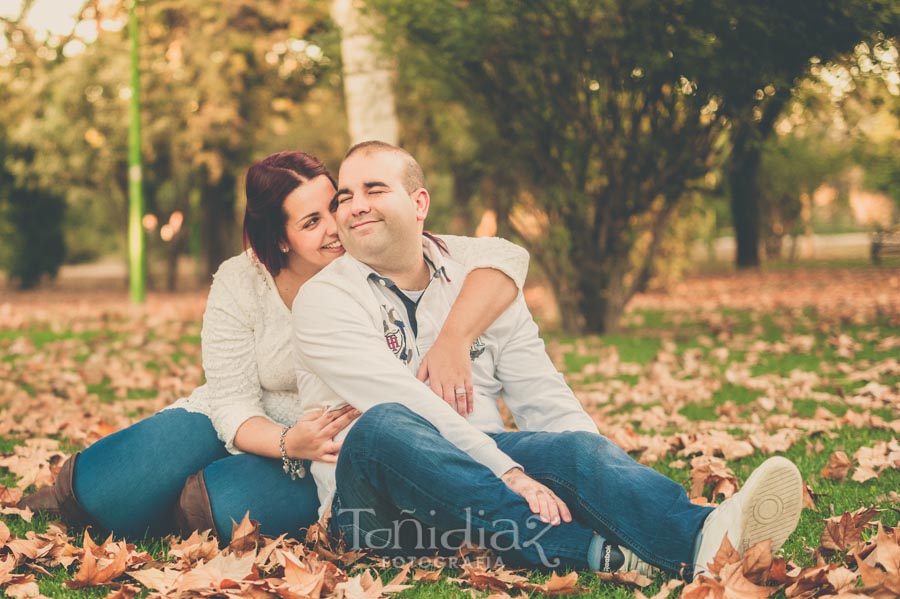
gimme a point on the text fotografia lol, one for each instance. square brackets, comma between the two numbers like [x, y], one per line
[456, 562]
[409, 534]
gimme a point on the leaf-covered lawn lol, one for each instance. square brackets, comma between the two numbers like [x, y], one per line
[702, 384]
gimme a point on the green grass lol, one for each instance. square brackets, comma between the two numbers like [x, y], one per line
[736, 394]
[783, 365]
[633, 348]
[103, 390]
[697, 412]
[41, 337]
[575, 363]
[7, 444]
[107, 394]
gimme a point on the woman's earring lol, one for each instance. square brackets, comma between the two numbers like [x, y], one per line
[285, 249]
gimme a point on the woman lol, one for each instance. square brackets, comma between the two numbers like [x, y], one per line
[242, 432]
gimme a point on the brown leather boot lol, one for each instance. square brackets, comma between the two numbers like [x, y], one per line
[59, 499]
[194, 511]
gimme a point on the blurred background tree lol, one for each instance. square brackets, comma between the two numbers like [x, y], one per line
[220, 80]
[592, 120]
[31, 225]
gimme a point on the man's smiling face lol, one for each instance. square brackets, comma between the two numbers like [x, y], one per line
[374, 212]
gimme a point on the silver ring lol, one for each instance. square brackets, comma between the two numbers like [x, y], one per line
[460, 391]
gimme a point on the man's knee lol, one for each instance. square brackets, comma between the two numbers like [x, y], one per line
[381, 423]
[583, 444]
[586, 441]
[380, 435]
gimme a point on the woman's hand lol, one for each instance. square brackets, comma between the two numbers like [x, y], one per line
[312, 437]
[448, 370]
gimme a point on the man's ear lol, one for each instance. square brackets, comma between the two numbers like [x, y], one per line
[422, 201]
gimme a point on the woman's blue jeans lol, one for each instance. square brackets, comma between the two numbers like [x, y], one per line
[401, 486]
[130, 481]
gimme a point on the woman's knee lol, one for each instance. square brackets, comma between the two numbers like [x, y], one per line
[246, 483]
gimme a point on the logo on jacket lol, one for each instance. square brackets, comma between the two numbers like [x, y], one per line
[476, 350]
[395, 335]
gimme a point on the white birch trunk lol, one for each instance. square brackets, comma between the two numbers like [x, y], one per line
[368, 76]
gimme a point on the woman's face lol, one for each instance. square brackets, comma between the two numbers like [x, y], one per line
[310, 229]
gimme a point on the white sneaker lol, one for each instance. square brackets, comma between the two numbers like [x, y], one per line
[635, 564]
[609, 558]
[766, 508]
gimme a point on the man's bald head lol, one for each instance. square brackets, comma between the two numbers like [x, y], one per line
[412, 175]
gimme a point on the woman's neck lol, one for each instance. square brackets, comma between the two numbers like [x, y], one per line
[289, 281]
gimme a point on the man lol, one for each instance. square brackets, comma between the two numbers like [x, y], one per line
[414, 476]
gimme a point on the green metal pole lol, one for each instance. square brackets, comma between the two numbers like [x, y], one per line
[136, 262]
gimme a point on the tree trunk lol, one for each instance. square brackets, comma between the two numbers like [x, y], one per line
[745, 210]
[368, 76]
[174, 251]
[603, 293]
[748, 136]
[217, 207]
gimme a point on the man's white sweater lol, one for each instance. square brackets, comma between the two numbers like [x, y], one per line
[355, 344]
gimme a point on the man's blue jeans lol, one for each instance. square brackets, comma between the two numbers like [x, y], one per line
[401, 485]
[130, 481]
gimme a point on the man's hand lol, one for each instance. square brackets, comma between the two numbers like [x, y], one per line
[541, 500]
[448, 370]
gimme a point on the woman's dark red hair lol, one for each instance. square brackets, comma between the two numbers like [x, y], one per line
[268, 183]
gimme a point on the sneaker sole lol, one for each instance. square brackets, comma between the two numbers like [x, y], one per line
[773, 505]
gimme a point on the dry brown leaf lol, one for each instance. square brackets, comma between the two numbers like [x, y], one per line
[485, 581]
[244, 536]
[195, 548]
[738, 586]
[726, 555]
[10, 496]
[300, 579]
[863, 474]
[222, 571]
[428, 575]
[31, 547]
[664, 591]
[556, 585]
[27, 588]
[627, 578]
[269, 555]
[92, 574]
[712, 472]
[838, 466]
[809, 499]
[703, 587]
[25, 514]
[845, 531]
[7, 565]
[886, 552]
[841, 579]
[162, 581]
[366, 586]
[124, 591]
[5, 533]
[757, 562]
[878, 583]
[402, 575]
[810, 582]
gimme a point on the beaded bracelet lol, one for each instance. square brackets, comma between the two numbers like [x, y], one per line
[293, 467]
